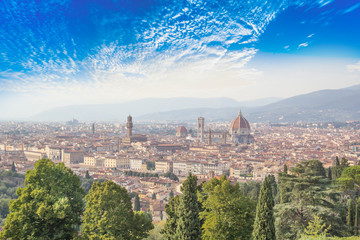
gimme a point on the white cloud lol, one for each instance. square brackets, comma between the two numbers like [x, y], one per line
[352, 8]
[353, 67]
[311, 35]
[305, 44]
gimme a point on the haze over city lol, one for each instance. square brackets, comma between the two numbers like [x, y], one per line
[59, 53]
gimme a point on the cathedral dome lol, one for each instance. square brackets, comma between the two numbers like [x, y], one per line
[239, 125]
[181, 131]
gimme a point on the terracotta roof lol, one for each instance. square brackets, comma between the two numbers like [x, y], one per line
[239, 123]
[181, 129]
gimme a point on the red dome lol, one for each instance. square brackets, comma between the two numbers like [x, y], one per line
[239, 123]
[182, 130]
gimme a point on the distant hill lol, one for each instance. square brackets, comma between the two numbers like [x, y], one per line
[325, 105]
[143, 107]
[320, 106]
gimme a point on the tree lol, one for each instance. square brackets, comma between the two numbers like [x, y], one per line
[137, 203]
[13, 168]
[87, 175]
[285, 169]
[316, 228]
[188, 223]
[307, 192]
[169, 229]
[264, 228]
[108, 214]
[349, 182]
[171, 176]
[329, 174]
[350, 216]
[356, 221]
[339, 167]
[171, 194]
[153, 197]
[227, 213]
[49, 205]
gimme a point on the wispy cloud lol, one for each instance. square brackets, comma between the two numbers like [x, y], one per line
[354, 67]
[303, 45]
[352, 8]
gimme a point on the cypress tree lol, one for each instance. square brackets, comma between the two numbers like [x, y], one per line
[137, 203]
[13, 169]
[188, 223]
[356, 220]
[337, 162]
[329, 174]
[87, 175]
[153, 197]
[285, 169]
[171, 194]
[264, 226]
[350, 215]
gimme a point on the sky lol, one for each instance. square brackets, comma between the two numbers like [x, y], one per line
[66, 52]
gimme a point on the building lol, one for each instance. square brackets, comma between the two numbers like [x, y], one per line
[130, 137]
[34, 155]
[73, 157]
[239, 132]
[136, 164]
[181, 132]
[163, 166]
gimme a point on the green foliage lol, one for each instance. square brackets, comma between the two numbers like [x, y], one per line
[188, 224]
[251, 189]
[264, 228]
[141, 225]
[49, 205]
[305, 193]
[316, 227]
[169, 229]
[337, 170]
[227, 213]
[141, 174]
[171, 176]
[9, 182]
[137, 203]
[108, 214]
[150, 165]
[350, 218]
[87, 183]
[329, 174]
[349, 182]
[87, 175]
[155, 234]
[285, 169]
[153, 197]
[13, 168]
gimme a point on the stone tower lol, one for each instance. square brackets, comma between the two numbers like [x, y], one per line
[93, 128]
[201, 122]
[129, 126]
[209, 137]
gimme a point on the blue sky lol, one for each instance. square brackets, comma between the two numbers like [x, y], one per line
[56, 53]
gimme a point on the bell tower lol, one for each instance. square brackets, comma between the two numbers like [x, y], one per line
[129, 126]
[200, 126]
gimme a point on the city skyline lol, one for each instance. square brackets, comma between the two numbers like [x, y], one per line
[66, 52]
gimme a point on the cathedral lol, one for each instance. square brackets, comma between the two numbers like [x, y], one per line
[239, 132]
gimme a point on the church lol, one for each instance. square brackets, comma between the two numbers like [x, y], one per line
[239, 132]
